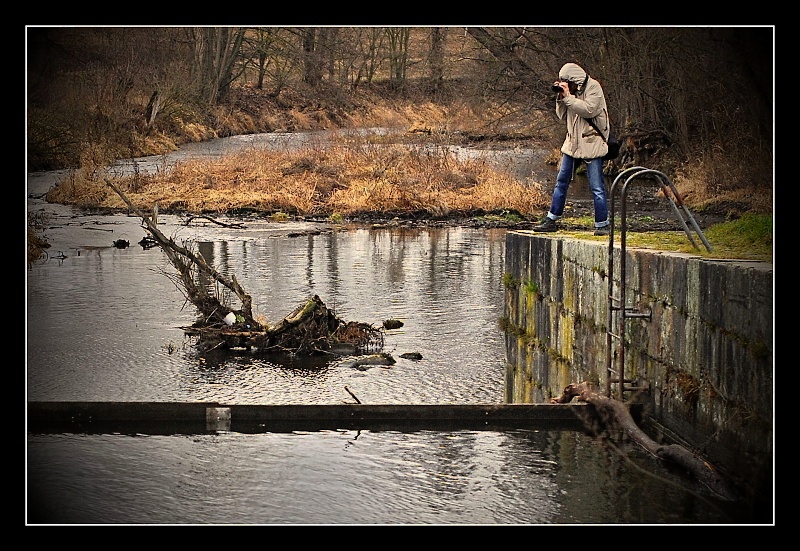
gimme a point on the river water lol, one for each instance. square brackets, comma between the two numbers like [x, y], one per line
[104, 324]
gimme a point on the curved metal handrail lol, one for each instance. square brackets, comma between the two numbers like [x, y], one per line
[629, 175]
[667, 186]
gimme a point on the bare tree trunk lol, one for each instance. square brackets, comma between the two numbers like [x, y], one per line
[329, 38]
[216, 49]
[152, 109]
[309, 329]
[261, 46]
[312, 62]
[372, 60]
[398, 55]
[436, 57]
[184, 260]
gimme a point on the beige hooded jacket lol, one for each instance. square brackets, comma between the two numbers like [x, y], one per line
[583, 141]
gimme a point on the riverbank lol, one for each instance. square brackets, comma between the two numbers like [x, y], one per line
[378, 178]
[391, 185]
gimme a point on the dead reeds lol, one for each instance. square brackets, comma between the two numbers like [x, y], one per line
[352, 177]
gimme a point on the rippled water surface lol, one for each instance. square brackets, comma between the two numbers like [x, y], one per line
[104, 324]
[350, 477]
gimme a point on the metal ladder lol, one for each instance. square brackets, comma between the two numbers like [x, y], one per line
[616, 304]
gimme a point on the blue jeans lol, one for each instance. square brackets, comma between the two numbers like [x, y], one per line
[597, 183]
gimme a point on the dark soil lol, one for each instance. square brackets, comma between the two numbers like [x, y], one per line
[649, 214]
[643, 212]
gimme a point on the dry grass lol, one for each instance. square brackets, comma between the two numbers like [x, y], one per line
[728, 182]
[349, 178]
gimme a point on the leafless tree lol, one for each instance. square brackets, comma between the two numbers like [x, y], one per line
[436, 57]
[215, 55]
[398, 39]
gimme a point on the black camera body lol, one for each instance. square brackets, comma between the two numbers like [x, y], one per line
[557, 89]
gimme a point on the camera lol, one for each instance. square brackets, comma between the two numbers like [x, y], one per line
[557, 89]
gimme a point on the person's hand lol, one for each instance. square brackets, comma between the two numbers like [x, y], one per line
[564, 88]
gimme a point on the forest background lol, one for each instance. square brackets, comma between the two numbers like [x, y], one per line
[694, 102]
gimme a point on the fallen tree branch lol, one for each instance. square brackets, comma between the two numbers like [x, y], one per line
[207, 305]
[350, 392]
[223, 224]
[309, 329]
[614, 413]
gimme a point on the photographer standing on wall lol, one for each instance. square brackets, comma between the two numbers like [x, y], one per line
[580, 97]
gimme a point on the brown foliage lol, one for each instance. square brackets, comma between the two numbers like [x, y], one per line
[349, 179]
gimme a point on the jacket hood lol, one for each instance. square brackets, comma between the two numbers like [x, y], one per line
[572, 72]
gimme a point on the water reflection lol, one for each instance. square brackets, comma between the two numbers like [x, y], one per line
[104, 323]
[350, 477]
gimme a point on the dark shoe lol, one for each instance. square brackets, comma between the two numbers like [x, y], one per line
[602, 231]
[548, 224]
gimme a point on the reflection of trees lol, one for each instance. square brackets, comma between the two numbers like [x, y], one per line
[447, 289]
[226, 376]
[330, 248]
[539, 477]
[478, 474]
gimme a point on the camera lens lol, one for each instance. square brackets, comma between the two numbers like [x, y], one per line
[556, 89]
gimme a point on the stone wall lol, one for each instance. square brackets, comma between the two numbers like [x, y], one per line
[700, 359]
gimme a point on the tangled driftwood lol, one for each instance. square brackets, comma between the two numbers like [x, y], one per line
[310, 328]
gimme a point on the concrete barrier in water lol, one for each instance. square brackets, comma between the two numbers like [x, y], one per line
[203, 417]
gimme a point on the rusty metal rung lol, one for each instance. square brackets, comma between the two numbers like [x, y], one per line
[647, 315]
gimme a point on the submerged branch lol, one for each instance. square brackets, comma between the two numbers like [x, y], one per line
[614, 413]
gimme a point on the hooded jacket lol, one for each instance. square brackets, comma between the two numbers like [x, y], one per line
[583, 141]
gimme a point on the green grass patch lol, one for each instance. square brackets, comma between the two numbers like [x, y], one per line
[749, 231]
[747, 238]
